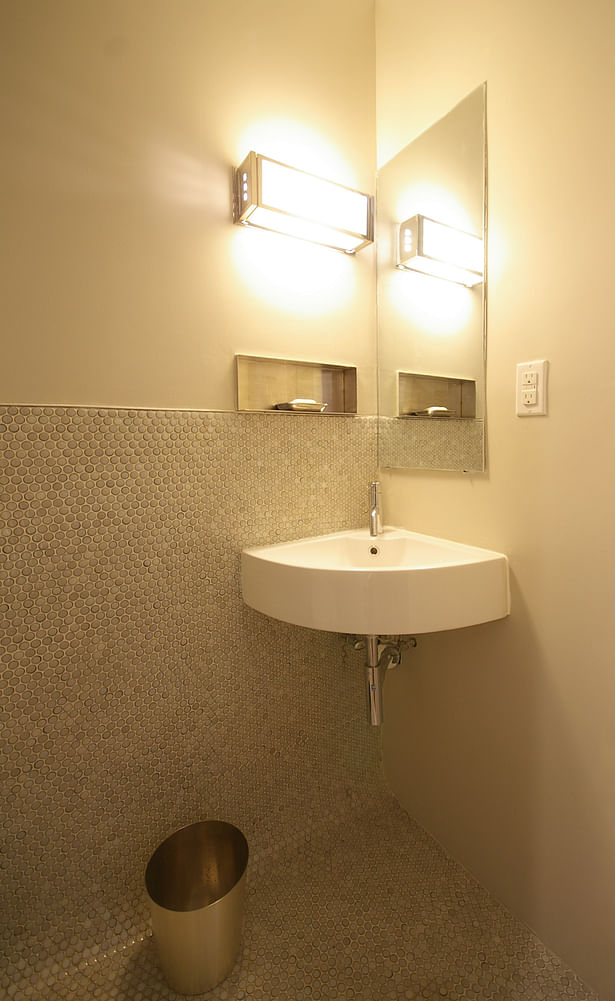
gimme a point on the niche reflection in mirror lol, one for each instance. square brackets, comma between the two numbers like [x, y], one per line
[431, 333]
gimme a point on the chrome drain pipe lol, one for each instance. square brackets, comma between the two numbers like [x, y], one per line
[380, 656]
[375, 681]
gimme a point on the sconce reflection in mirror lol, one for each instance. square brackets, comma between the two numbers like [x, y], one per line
[271, 195]
[439, 250]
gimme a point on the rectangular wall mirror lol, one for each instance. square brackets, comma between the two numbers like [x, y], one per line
[432, 330]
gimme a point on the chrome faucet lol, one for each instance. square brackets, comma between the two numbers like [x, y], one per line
[375, 520]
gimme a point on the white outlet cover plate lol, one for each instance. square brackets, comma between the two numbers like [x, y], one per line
[540, 369]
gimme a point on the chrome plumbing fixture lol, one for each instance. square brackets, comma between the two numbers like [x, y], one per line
[375, 519]
[380, 656]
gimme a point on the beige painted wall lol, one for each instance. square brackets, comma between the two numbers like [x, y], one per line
[501, 738]
[124, 283]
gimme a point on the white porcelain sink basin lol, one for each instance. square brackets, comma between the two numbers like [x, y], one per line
[398, 583]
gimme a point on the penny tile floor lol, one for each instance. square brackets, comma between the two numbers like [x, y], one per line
[363, 907]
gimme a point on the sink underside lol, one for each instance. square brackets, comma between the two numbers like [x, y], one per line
[395, 584]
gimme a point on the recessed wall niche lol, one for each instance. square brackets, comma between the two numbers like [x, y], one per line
[284, 385]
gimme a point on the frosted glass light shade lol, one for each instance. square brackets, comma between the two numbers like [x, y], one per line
[441, 251]
[271, 195]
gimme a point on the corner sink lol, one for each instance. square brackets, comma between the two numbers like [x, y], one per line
[397, 583]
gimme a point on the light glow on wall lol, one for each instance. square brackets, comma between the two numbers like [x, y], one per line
[291, 141]
[445, 314]
[293, 276]
[435, 202]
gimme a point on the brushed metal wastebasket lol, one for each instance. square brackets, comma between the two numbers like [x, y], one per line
[195, 881]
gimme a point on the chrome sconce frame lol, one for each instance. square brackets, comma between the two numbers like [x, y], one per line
[442, 251]
[274, 196]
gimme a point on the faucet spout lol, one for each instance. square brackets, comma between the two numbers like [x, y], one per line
[375, 519]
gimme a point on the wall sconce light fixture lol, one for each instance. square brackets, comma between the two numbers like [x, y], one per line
[271, 195]
[440, 250]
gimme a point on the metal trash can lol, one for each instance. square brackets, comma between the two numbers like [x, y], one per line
[196, 885]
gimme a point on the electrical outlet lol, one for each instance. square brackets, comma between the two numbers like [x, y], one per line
[531, 395]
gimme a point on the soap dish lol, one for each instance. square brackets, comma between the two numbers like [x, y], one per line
[304, 406]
